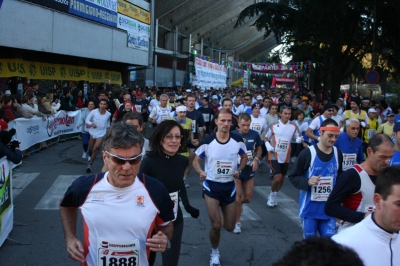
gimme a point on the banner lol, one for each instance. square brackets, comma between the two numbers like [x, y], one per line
[60, 5]
[107, 4]
[94, 12]
[35, 130]
[6, 202]
[138, 42]
[133, 11]
[272, 67]
[44, 71]
[210, 74]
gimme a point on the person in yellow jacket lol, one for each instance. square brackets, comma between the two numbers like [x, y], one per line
[356, 112]
[387, 128]
[373, 126]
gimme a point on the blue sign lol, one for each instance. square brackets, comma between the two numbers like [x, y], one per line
[93, 12]
[1, 2]
[372, 77]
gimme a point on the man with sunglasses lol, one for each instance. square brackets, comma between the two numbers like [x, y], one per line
[313, 129]
[350, 145]
[111, 203]
[265, 109]
[247, 103]
[314, 173]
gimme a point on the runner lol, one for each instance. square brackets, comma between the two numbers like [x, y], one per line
[160, 112]
[373, 126]
[208, 115]
[313, 129]
[98, 121]
[165, 140]
[356, 112]
[265, 109]
[350, 145]
[247, 103]
[280, 134]
[315, 173]
[110, 204]
[220, 150]
[351, 199]
[395, 161]
[85, 129]
[258, 123]
[141, 107]
[387, 127]
[245, 183]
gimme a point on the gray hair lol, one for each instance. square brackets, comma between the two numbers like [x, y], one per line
[164, 95]
[348, 121]
[122, 136]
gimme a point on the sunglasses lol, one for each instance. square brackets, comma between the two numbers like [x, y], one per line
[247, 99]
[121, 161]
[171, 137]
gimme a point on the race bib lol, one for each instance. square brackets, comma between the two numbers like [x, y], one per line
[174, 198]
[193, 126]
[249, 157]
[349, 160]
[321, 191]
[138, 108]
[282, 146]
[116, 253]
[206, 117]
[256, 127]
[223, 169]
[163, 117]
[371, 133]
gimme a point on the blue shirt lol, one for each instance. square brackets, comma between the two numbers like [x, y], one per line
[348, 146]
[395, 161]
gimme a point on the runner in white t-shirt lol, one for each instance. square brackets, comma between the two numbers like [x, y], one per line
[258, 123]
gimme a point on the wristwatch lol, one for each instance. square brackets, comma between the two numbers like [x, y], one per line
[168, 244]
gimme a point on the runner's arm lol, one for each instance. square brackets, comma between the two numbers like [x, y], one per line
[297, 174]
[197, 168]
[346, 184]
[167, 229]
[310, 134]
[74, 246]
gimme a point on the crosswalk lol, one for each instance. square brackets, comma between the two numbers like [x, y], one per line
[51, 199]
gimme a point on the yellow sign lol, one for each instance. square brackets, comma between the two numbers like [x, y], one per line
[45, 71]
[133, 11]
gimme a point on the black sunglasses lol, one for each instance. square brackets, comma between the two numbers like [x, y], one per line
[121, 161]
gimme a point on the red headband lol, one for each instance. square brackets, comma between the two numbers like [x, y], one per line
[331, 128]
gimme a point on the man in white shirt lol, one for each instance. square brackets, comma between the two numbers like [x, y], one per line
[313, 129]
[265, 109]
[237, 106]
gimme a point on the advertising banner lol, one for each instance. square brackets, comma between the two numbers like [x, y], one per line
[93, 12]
[6, 202]
[210, 74]
[272, 68]
[44, 71]
[107, 4]
[138, 42]
[135, 27]
[60, 5]
[133, 11]
[36, 130]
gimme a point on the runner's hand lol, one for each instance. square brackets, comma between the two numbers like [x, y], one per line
[314, 180]
[254, 165]
[75, 250]
[203, 175]
[192, 211]
[158, 242]
[236, 174]
[269, 147]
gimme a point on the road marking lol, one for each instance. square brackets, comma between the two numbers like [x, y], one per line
[51, 200]
[248, 214]
[286, 204]
[21, 181]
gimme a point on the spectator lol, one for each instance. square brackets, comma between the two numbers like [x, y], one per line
[18, 110]
[7, 107]
[29, 106]
[9, 148]
[66, 100]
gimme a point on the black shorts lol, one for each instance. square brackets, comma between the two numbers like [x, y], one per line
[246, 174]
[225, 193]
[278, 168]
[263, 150]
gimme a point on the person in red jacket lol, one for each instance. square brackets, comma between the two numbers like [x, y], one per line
[7, 107]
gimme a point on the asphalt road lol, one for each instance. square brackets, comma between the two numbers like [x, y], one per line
[41, 180]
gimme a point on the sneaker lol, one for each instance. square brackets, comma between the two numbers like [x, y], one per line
[89, 168]
[214, 260]
[89, 158]
[186, 183]
[237, 229]
[271, 201]
[84, 155]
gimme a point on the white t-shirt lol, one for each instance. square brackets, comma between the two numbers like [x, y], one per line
[263, 111]
[258, 124]
[237, 110]
[102, 122]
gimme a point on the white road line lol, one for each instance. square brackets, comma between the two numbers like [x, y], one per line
[248, 214]
[286, 204]
[51, 200]
[21, 181]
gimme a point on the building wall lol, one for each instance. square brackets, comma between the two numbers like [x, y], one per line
[164, 77]
[28, 26]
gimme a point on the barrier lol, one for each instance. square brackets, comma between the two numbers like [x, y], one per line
[36, 130]
[6, 201]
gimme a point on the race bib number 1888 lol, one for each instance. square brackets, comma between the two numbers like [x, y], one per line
[118, 254]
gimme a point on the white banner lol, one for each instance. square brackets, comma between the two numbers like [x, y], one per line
[36, 130]
[6, 202]
[132, 25]
[210, 74]
[138, 42]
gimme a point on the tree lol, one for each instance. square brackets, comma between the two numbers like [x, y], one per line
[337, 33]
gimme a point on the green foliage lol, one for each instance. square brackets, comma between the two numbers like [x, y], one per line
[338, 33]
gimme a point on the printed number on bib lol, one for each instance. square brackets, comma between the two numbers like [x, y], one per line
[138, 108]
[223, 169]
[249, 157]
[174, 198]
[371, 133]
[256, 127]
[349, 159]
[282, 146]
[206, 117]
[117, 253]
[321, 191]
